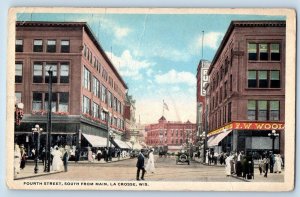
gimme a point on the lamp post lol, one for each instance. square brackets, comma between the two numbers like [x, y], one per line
[36, 131]
[273, 135]
[49, 124]
[106, 112]
[111, 137]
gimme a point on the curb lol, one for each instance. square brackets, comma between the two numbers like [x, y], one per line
[37, 175]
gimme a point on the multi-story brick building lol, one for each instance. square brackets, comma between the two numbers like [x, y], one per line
[247, 88]
[86, 85]
[174, 135]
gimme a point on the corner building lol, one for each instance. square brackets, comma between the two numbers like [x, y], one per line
[247, 88]
[171, 134]
[85, 84]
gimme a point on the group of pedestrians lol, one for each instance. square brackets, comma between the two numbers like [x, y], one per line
[270, 162]
[149, 168]
[59, 157]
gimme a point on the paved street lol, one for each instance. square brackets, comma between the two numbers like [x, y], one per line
[166, 170]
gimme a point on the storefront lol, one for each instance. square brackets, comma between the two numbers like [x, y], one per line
[250, 137]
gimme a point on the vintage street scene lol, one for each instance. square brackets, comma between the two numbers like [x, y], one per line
[149, 97]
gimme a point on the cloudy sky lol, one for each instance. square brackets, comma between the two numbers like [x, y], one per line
[157, 55]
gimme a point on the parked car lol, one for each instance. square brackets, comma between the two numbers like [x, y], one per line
[183, 157]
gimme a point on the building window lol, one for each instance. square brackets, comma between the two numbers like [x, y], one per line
[65, 46]
[274, 110]
[51, 46]
[274, 79]
[37, 101]
[263, 52]
[37, 73]
[18, 72]
[95, 110]
[103, 93]
[251, 110]
[53, 67]
[263, 79]
[19, 45]
[266, 51]
[109, 100]
[86, 105]
[63, 105]
[38, 46]
[87, 79]
[53, 102]
[275, 52]
[96, 87]
[252, 83]
[64, 73]
[18, 97]
[262, 110]
[229, 112]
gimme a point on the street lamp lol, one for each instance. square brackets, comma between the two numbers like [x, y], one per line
[106, 112]
[36, 131]
[111, 137]
[273, 135]
[49, 124]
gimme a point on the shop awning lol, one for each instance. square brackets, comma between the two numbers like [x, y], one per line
[129, 144]
[217, 138]
[137, 146]
[121, 144]
[95, 141]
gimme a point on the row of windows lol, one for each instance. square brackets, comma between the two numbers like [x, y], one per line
[264, 51]
[263, 110]
[50, 47]
[60, 101]
[221, 117]
[263, 79]
[60, 72]
[100, 91]
[97, 65]
[156, 141]
[96, 112]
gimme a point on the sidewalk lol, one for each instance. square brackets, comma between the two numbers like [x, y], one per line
[28, 171]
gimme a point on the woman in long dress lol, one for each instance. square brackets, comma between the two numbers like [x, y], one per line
[17, 159]
[57, 163]
[150, 165]
[228, 162]
[278, 163]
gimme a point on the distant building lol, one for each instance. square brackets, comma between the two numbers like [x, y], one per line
[86, 85]
[174, 135]
[247, 88]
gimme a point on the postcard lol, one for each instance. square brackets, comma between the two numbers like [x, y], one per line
[169, 99]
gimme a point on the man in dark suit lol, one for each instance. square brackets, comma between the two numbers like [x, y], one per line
[140, 166]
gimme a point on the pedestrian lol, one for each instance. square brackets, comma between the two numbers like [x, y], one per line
[278, 163]
[239, 164]
[206, 157]
[260, 165]
[43, 155]
[90, 154]
[99, 154]
[228, 165]
[140, 166]
[77, 155]
[272, 161]
[17, 160]
[65, 160]
[266, 162]
[23, 157]
[57, 163]
[150, 164]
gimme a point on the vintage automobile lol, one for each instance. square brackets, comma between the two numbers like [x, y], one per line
[183, 157]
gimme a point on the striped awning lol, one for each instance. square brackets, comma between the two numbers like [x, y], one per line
[95, 141]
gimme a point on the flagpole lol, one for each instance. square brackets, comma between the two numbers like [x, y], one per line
[163, 108]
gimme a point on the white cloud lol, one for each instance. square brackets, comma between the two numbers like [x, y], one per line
[211, 40]
[175, 77]
[128, 65]
[112, 26]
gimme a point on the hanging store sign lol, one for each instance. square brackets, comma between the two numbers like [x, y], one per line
[249, 126]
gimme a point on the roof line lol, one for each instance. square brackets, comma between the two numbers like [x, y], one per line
[87, 30]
